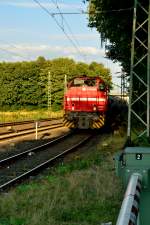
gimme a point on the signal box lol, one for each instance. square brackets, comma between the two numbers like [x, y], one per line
[136, 160]
[133, 160]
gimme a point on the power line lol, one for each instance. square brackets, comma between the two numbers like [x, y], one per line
[62, 28]
[68, 26]
[11, 52]
[92, 13]
[55, 3]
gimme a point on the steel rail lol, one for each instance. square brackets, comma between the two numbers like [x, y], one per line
[25, 122]
[20, 155]
[43, 165]
[28, 131]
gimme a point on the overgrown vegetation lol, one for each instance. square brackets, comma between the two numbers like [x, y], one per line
[114, 20]
[84, 191]
[22, 115]
[24, 85]
[114, 23]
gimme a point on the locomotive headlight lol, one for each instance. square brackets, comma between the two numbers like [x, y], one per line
[72, 107]
[94, 108]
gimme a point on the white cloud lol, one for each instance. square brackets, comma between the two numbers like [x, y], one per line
[86, 37]
[31, 52]
[44, 49]
[79, 37]
[8, 30]
[22, 52]
[56, 37]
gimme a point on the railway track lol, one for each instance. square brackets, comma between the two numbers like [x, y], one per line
[28, 131]
[12, 127]
[23, 122]
[16, 168]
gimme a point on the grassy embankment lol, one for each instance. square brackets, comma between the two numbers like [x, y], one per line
[82, 191]
[28, 115]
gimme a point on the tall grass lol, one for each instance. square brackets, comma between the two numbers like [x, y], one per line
[82, 192]
[28, 115]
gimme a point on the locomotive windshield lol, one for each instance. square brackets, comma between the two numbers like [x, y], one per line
[102, 87]
[81, 82]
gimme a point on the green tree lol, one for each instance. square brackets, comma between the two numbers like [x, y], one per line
[115, 26]
[99, 70]
[25, 84]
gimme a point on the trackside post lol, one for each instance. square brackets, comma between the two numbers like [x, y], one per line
[36, 130]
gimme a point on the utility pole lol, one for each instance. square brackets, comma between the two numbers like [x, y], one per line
[139, 99]
[123, 85]
[65, 84]
[49, 102]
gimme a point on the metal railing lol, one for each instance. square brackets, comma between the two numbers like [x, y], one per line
[130, 206]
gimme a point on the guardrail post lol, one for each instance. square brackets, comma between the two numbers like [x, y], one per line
[130, 205]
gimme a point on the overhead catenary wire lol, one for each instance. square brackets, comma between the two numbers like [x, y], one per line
[52, 14]
[12, 52]
[65, 21]
[92, 13]
[58, 8]
[61, 27]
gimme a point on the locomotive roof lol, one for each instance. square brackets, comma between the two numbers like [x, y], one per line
[85, 78]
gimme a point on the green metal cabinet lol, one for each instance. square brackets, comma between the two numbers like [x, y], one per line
[136, 160]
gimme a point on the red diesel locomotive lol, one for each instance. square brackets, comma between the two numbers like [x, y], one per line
[85, 103]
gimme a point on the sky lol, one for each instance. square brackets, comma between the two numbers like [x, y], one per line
[27, 31]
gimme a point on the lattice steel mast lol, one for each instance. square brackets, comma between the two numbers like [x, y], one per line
[123, 85]
[49, 92]
[139, 102]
